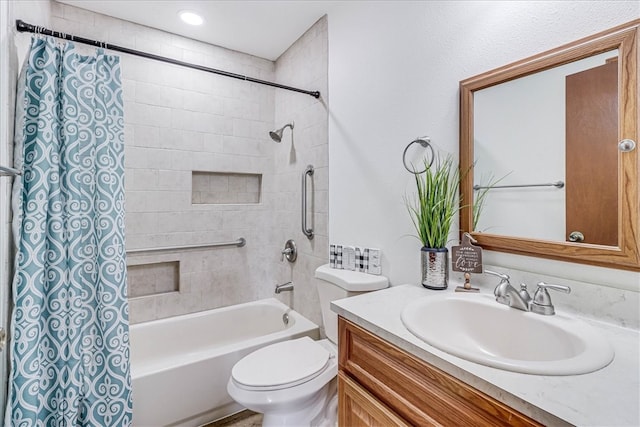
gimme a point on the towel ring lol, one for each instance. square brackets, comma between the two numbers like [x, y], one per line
[426, 143]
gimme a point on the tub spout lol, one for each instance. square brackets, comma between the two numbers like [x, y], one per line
[284, 287]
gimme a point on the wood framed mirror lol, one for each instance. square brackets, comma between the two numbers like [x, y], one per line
[544, 153]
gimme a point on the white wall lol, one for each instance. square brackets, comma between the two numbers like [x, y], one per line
[394, 70]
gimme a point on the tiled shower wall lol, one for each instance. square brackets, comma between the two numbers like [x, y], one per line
[304, 64]
[178, 121]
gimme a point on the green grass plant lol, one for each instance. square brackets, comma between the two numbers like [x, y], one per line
[435, 204]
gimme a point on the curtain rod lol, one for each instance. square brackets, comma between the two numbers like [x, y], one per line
[23, 27]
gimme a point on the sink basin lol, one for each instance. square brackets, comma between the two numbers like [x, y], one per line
[477, 328]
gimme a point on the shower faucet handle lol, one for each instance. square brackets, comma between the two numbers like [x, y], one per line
[289, 251]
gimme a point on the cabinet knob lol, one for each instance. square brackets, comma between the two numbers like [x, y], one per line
[576, 236]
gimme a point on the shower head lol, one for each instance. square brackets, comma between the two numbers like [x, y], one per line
[276, 135]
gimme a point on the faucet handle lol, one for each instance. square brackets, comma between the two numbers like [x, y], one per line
[541, 303]
[561, 288]
[504, 277]
[284, 252]
[290, 252]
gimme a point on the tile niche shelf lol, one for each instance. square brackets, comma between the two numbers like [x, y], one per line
[225, 188]
[153, 279]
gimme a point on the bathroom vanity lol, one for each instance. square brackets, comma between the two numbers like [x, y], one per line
[390, 377]
[405, 387]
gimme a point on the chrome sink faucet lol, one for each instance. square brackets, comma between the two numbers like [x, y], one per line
[508, 295]
[539, 304]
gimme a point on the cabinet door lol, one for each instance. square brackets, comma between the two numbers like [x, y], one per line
[358, 408]
[592, 154]
[416, 391]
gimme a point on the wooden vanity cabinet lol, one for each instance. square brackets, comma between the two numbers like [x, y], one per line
[382, 385]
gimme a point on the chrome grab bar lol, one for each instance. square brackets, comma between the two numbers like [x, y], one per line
[7, 171]
[306, 230]
[239, 243]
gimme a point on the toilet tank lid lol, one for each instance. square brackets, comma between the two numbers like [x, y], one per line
[353, 281]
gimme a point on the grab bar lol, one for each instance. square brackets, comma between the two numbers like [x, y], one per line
[7, 171]
[307, 231]
[557, 184]
[239, 243]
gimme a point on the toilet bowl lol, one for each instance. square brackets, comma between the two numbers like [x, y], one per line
[293, 383]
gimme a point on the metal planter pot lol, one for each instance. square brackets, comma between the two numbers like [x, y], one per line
[435, 267]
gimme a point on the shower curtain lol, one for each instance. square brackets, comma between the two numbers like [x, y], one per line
[70, 330]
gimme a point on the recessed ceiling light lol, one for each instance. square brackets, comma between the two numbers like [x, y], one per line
[191, 18]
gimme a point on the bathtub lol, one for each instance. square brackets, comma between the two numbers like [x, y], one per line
[180, 366]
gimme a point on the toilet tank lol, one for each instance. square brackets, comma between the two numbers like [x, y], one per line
[334, 284]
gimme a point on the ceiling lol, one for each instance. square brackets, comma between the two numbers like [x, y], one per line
[261, 28]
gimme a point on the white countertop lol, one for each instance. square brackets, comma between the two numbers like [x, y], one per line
[608, 397]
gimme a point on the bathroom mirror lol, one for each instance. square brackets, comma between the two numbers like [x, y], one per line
[540, 140]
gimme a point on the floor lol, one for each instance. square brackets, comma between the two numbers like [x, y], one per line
[241, 419]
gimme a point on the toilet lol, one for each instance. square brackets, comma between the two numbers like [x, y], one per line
[293, 383]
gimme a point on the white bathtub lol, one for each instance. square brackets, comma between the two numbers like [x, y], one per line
[180, 366]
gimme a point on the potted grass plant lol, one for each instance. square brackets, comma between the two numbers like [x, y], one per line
[432, 209]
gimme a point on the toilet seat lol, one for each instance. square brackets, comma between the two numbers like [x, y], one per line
[281, 365]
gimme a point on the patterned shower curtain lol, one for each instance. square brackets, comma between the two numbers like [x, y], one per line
[70, 330]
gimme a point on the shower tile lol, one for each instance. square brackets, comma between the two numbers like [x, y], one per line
[141, 222]
[150, 115]
[142, 309]
[193, 56]
[174, 180]
[172, 52]
[225, 188]
[57, 9]
[128, 89]
[237, 183]
[144, 179]
[153, 279]
[190, 80]
[213, 143]
[200, 181]
[220, 183]
[248, 197]
[154, 94]
[241, 109]
[78, 15]
[201, 102]
[145, 44]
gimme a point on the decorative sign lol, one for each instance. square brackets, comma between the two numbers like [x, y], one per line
[467, 257]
